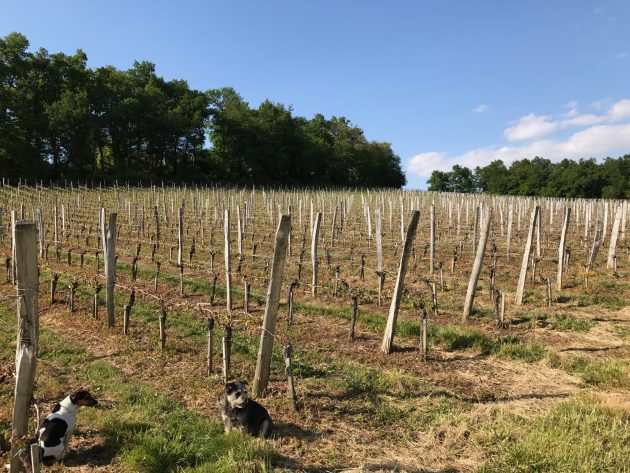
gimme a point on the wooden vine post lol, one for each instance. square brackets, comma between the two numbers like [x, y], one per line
[476, 270]
[261, 377]
[612, 248]
[380, 273]
[526, 255]
[27, 279]
[432, 240]
[210, 327]
[109, 244]
[318, 221]
[286, 354]
[388, 336]
[228, 269]
[562, 247]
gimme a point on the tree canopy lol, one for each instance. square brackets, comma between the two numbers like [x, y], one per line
[541, 177]
[62, 119]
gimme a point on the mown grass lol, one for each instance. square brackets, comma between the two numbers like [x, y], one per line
[602, 374]
[147, 431]
[576, 436]
[570, 323]
[450, 337]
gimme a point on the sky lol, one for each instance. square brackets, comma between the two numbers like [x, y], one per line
[445, 82]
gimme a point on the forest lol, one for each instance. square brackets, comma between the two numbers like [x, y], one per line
[541, 177]
[60, 119]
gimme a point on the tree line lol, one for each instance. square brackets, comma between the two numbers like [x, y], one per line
[61, 119]
[584, 178]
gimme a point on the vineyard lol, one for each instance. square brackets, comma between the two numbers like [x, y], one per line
[413, 331]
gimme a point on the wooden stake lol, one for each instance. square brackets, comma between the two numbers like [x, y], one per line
[561, 248]
[526, 255]
[261, 377]
[210, 327]
[318, 221]
[286, 353]
[27, 279]
[353, 314]
[388, 336]
[109, 244]
[227, 349]
[476, 270]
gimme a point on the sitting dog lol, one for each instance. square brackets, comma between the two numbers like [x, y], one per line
[239, 411]
[54, 434]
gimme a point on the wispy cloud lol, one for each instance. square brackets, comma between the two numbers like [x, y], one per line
[600, 135]
[530, 126]
[623, 55]
[482, 108]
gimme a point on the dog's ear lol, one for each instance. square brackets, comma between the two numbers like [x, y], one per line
[230, 387]
[245, 383]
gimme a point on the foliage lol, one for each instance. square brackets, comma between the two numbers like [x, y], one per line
[540, 177]
[60, 119]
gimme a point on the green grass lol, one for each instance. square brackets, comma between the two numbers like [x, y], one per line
[622, 330]
[529, 352]
[569, 323]
[145, 430]
[575, 436]
[602, 374]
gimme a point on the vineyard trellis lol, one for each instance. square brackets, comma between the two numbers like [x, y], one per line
[100, 237]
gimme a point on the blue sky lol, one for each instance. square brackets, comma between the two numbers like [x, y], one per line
[443, 81]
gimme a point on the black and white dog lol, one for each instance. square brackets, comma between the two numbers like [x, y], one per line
[239, 411]
[54, 434]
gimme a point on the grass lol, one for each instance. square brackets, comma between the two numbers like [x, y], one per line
[576, 436]
[570, 323]
[602, 374]
[144, 430]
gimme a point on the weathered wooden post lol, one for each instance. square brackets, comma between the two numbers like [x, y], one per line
[261, 377]
[27, 279]
[162, 325]
[423, 333]
[432, 240]
[526, 255]
[286, 354]
[156, 217]
[210, 328]
[315, 237]
[476, 270]
[228, 265]
[353, 314]
[509, 231]
[561, 248]
[388, 336]
[248, 288]
[180, 248]
[610, 263]
[97, 289]
[596, 244]
[292, 286]
[109, 236]
[226, 343]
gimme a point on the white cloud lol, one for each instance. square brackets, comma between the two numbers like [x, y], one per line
[572, 106]
[620, 110]
[606, 134]
[482, 108]
[424, 164]
[530, 126]
[601, 103]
